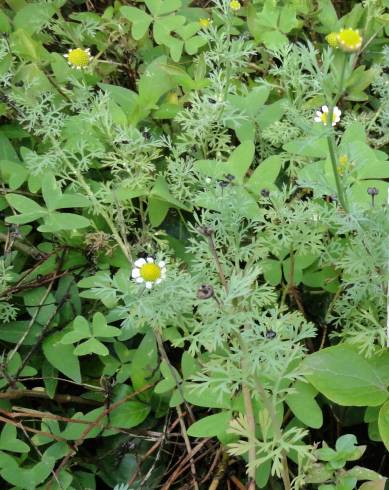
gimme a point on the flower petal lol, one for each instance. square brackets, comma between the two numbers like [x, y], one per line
[317, 119]
[158, 281]
[139, 280]
[149, 285]
[319, 113]
[150, 260]
[324, 108]
[135, 273]
[161, 263]
[139, 262]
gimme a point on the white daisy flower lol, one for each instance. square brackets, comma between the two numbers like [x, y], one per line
[321, 116]
[148, 271]
[78, 58]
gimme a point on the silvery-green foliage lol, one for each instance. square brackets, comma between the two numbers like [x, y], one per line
[363, 260]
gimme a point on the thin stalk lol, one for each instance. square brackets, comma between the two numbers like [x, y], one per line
[273, 418]
[102, 212]
[331, 140]
[332, 150]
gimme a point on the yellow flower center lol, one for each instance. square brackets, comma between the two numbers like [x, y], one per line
[150, 272]
[332, 39]
[204, 22]
[344, 165]
[324, 117]
[349, 40]
[235, 5]
[78, 57]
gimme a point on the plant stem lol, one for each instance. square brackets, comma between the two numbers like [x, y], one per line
[332, 150]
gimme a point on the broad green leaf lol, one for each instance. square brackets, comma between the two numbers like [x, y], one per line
[140, 21]
[272, 271]
[210, 426]
[25, 205]
[345, 377]
[206, 397]
[129, 414]
[63, 221]
[240, 160]
[304, 406]
[101, 329]
[61, 356]
[265, 174]
[10, 442]
[383, 424]
[145, 362]
[157, 210]
[80, 331]
[33, 17]
[162, 7]
[91, 346]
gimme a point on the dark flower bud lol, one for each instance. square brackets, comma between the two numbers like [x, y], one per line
[205, 230]
[372, 191]
[223, 183]
[205, 292]
[230, 177]
[265, 192]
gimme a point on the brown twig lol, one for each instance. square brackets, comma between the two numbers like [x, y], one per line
[17, 394]
[30, 429]
[237, 482]
[220, 470]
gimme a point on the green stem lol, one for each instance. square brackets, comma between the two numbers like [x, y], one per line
[333, 157]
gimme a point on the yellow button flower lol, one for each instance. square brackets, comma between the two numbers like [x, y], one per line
[78, 58]
[235, 5]
[349, 40]
[148, 272]
[204, 22]
[332, 39]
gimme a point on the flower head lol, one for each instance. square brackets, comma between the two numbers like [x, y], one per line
[332, 39]
[349, 40]
[205, 22]
[149, 272]
[321, 116]
[235, 5]
[78, 58]
[344, 165]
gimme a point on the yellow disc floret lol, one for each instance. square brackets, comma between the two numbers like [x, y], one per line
[235, 5]
[349, 40]
[78, 57]
[204, 22]
[332, 39]
[150, 272]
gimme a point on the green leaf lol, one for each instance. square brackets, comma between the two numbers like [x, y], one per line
[63, 221]
[101, 329]
[304, 406]
[157, 210]
[33, 17]
[80, 331]
[129, 414]
[210, 426]
[272, 271]
[265, 174]
[383, 424]
[91, 346]
[206, 397]
[61, 356]
[162, 7]
[240, 160]
[25, 205]
[140, 21]
[345, 377]
[10, 442]
[144, 363]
